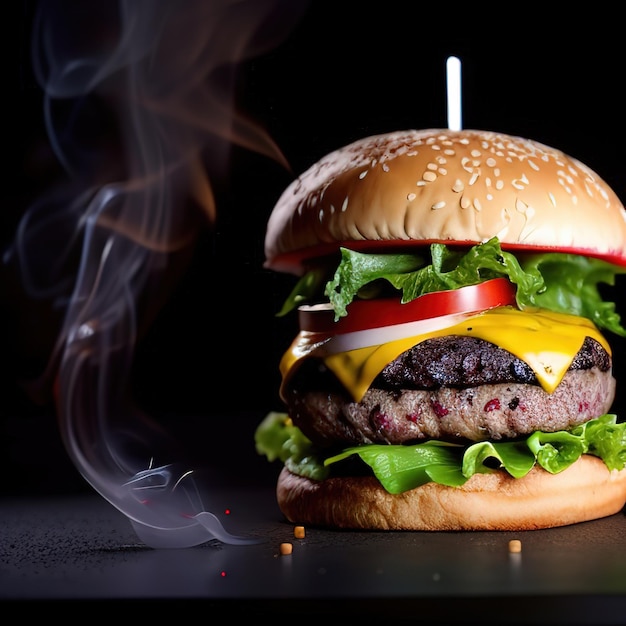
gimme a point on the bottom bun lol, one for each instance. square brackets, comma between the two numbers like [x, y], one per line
[585, 491]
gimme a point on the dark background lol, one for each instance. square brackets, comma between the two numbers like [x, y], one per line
[207, 363]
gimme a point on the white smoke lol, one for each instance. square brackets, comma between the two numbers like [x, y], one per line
[138, 107]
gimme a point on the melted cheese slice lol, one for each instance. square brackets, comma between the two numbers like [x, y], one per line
[546, 341]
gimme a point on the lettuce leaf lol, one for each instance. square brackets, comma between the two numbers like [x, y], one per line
[403, 467]
[602, 437]
[449, 269]
[572, 286]
[564, 283]
[278, 439]
[400, 468]
[305, 291]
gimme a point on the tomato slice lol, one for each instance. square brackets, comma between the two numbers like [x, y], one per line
[366, 314]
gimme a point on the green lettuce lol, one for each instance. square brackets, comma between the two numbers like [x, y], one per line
[400, 468]
[564, 283]
[448, 269]
[572, 286]
[278, 439]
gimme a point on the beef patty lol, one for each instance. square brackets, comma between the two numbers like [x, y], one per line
[450, 388]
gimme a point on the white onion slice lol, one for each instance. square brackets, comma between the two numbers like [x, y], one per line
[379, 336]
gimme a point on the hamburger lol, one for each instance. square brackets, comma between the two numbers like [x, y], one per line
[452, 369]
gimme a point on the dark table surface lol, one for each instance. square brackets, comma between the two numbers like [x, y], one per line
[78, 547]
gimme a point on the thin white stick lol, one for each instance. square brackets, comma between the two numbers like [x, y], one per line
[453, 74]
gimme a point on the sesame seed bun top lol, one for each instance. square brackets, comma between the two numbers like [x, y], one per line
[416, 187]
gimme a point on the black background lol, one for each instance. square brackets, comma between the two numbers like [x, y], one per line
[207, 364]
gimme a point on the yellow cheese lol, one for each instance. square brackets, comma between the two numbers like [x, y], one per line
[545, 340]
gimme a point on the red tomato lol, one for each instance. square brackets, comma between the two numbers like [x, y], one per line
[366, 314]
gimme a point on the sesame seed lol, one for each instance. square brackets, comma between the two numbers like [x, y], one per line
[429, 176]
[458, 186]
[411, 197]
[438, 205]
[520, 206]
[477, 204]
[465, 203]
